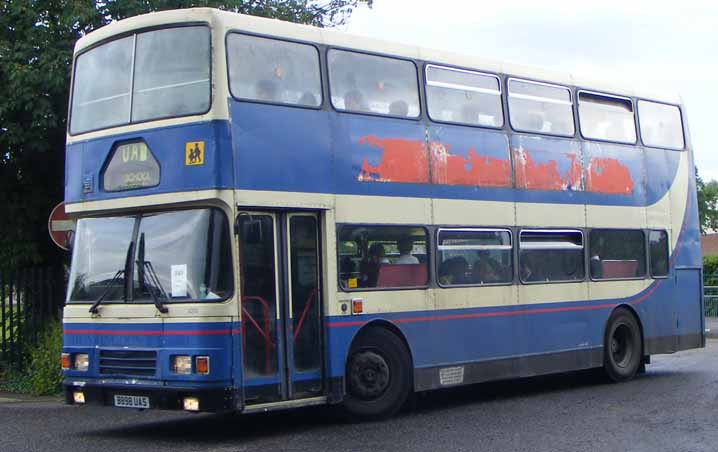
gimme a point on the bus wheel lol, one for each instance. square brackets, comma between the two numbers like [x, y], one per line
[623, 347]
[378, 375]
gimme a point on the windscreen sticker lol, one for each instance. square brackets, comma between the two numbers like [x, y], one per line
[179, 280]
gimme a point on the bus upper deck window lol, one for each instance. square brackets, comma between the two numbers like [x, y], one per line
[171, 73]
[606, 117]
[661, 125]
[373, 84]
[540, 107]
[269, 70]
[463, 97]
[170, 78]
[102, 85]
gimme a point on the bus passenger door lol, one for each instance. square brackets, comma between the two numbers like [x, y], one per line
[280, 304]
[303, 303]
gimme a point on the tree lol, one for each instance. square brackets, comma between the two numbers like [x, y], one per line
[707, 204]
[36, 43]
[700, 192]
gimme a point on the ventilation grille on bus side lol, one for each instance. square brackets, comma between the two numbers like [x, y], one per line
[128, 362]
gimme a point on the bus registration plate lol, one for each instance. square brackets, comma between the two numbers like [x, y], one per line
[128, 401]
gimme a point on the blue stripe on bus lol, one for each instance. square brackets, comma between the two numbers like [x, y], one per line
[299, 150]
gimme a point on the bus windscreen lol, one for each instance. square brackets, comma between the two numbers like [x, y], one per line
[179, 256]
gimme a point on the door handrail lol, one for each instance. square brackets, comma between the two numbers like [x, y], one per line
[307, 305]
[268, 342]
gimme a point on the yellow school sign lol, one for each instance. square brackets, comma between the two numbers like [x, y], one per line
[194, 153]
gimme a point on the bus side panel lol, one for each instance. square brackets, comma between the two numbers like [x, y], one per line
[379, 156]
[613, 169]
[517, 341]
[662, 166]
[281, 148]
[689, 323]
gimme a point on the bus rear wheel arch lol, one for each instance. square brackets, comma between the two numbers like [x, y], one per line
[622, 346]
[378, 374]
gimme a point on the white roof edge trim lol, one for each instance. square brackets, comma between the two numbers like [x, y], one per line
[225, 21]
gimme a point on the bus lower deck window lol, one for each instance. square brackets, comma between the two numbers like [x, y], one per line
[617, 254]
[382, 257]
[474, 257]
[551, 256]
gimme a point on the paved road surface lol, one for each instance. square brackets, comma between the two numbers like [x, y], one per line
[673, 407]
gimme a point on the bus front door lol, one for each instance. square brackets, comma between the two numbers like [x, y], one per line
[280, 306]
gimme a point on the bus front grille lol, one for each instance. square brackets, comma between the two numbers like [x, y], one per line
[128, 362]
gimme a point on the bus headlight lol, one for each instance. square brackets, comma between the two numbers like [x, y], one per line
[81, 362]
[181, 364]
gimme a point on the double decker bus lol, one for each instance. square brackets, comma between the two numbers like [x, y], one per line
[272, 215]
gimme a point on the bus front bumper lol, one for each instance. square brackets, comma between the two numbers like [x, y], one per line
[194, 399]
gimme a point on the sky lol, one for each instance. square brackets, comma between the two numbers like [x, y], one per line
[663, 45]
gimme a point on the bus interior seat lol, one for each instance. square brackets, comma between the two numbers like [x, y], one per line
[619, 268]
[399, 275]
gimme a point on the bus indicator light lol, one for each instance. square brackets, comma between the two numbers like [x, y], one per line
[65, 361]
[357, 306]
[201, 365]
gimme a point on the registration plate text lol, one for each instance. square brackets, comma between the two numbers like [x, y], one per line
[130, 401]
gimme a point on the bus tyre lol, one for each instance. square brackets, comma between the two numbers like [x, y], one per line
[623, 346]
[378, 375]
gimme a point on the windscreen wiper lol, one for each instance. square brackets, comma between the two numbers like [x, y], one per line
[118, 275]
[147, 274]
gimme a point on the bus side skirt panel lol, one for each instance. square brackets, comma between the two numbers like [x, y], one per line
[507, 368]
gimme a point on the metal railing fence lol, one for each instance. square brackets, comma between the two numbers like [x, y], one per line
[29, 298]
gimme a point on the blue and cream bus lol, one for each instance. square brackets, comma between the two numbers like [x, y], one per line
[272, 215]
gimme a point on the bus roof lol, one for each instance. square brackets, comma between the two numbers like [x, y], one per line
[226, 21]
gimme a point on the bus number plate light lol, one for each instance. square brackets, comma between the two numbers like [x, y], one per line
[78, 397]
[190, 403]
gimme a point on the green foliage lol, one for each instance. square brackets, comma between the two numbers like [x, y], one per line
[42, 374]
[36, 43]
[710, 270]
[707, 204]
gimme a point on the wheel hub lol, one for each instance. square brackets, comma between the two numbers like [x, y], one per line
[622, 345]
[369, 375]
